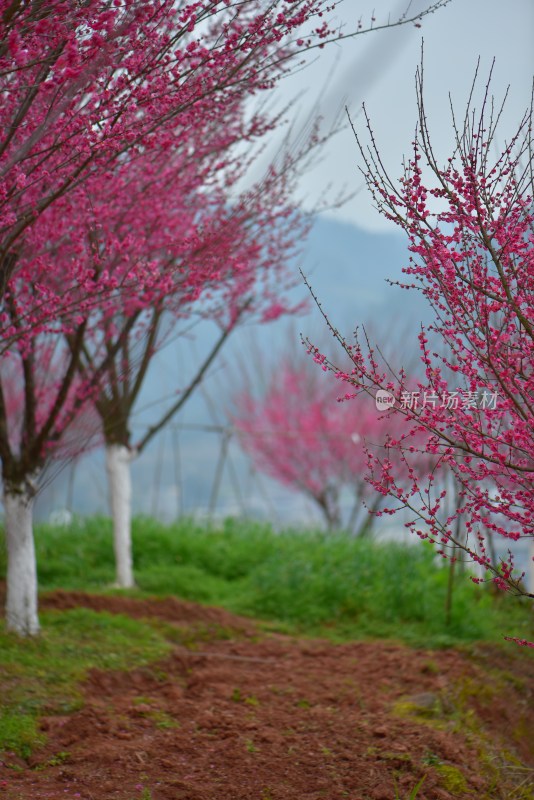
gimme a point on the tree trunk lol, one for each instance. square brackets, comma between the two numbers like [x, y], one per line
[530, 567]
[327, 502]
[21, 602]
[118, 459]
[366, 528]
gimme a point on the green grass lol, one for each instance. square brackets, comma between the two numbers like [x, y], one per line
[42, 675]
[304, 582]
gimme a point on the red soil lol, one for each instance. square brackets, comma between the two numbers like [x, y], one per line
[267, 717]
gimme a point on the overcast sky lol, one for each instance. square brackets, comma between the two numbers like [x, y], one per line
[379, 69]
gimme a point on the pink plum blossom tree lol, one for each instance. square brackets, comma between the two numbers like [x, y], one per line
[298, 431]
[470, 227]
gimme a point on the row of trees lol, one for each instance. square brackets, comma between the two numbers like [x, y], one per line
[123, 133]
[122, 151]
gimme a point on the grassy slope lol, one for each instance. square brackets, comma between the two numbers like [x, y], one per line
[308, 582]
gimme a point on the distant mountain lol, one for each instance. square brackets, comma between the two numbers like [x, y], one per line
[349, 267]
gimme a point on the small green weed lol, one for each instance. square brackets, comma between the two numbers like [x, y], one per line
[413, 793]
[452, 779]
[160, 718]
[163, 721]
[59, 758]
[145, 794]
[54, 761]
[238, 697]
[252, 701]
[431, 759]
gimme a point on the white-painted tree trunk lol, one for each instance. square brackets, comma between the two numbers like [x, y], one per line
[118, 460]
[530, 568]
[21, 602]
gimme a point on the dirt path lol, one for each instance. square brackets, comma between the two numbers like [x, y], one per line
[261, 717]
